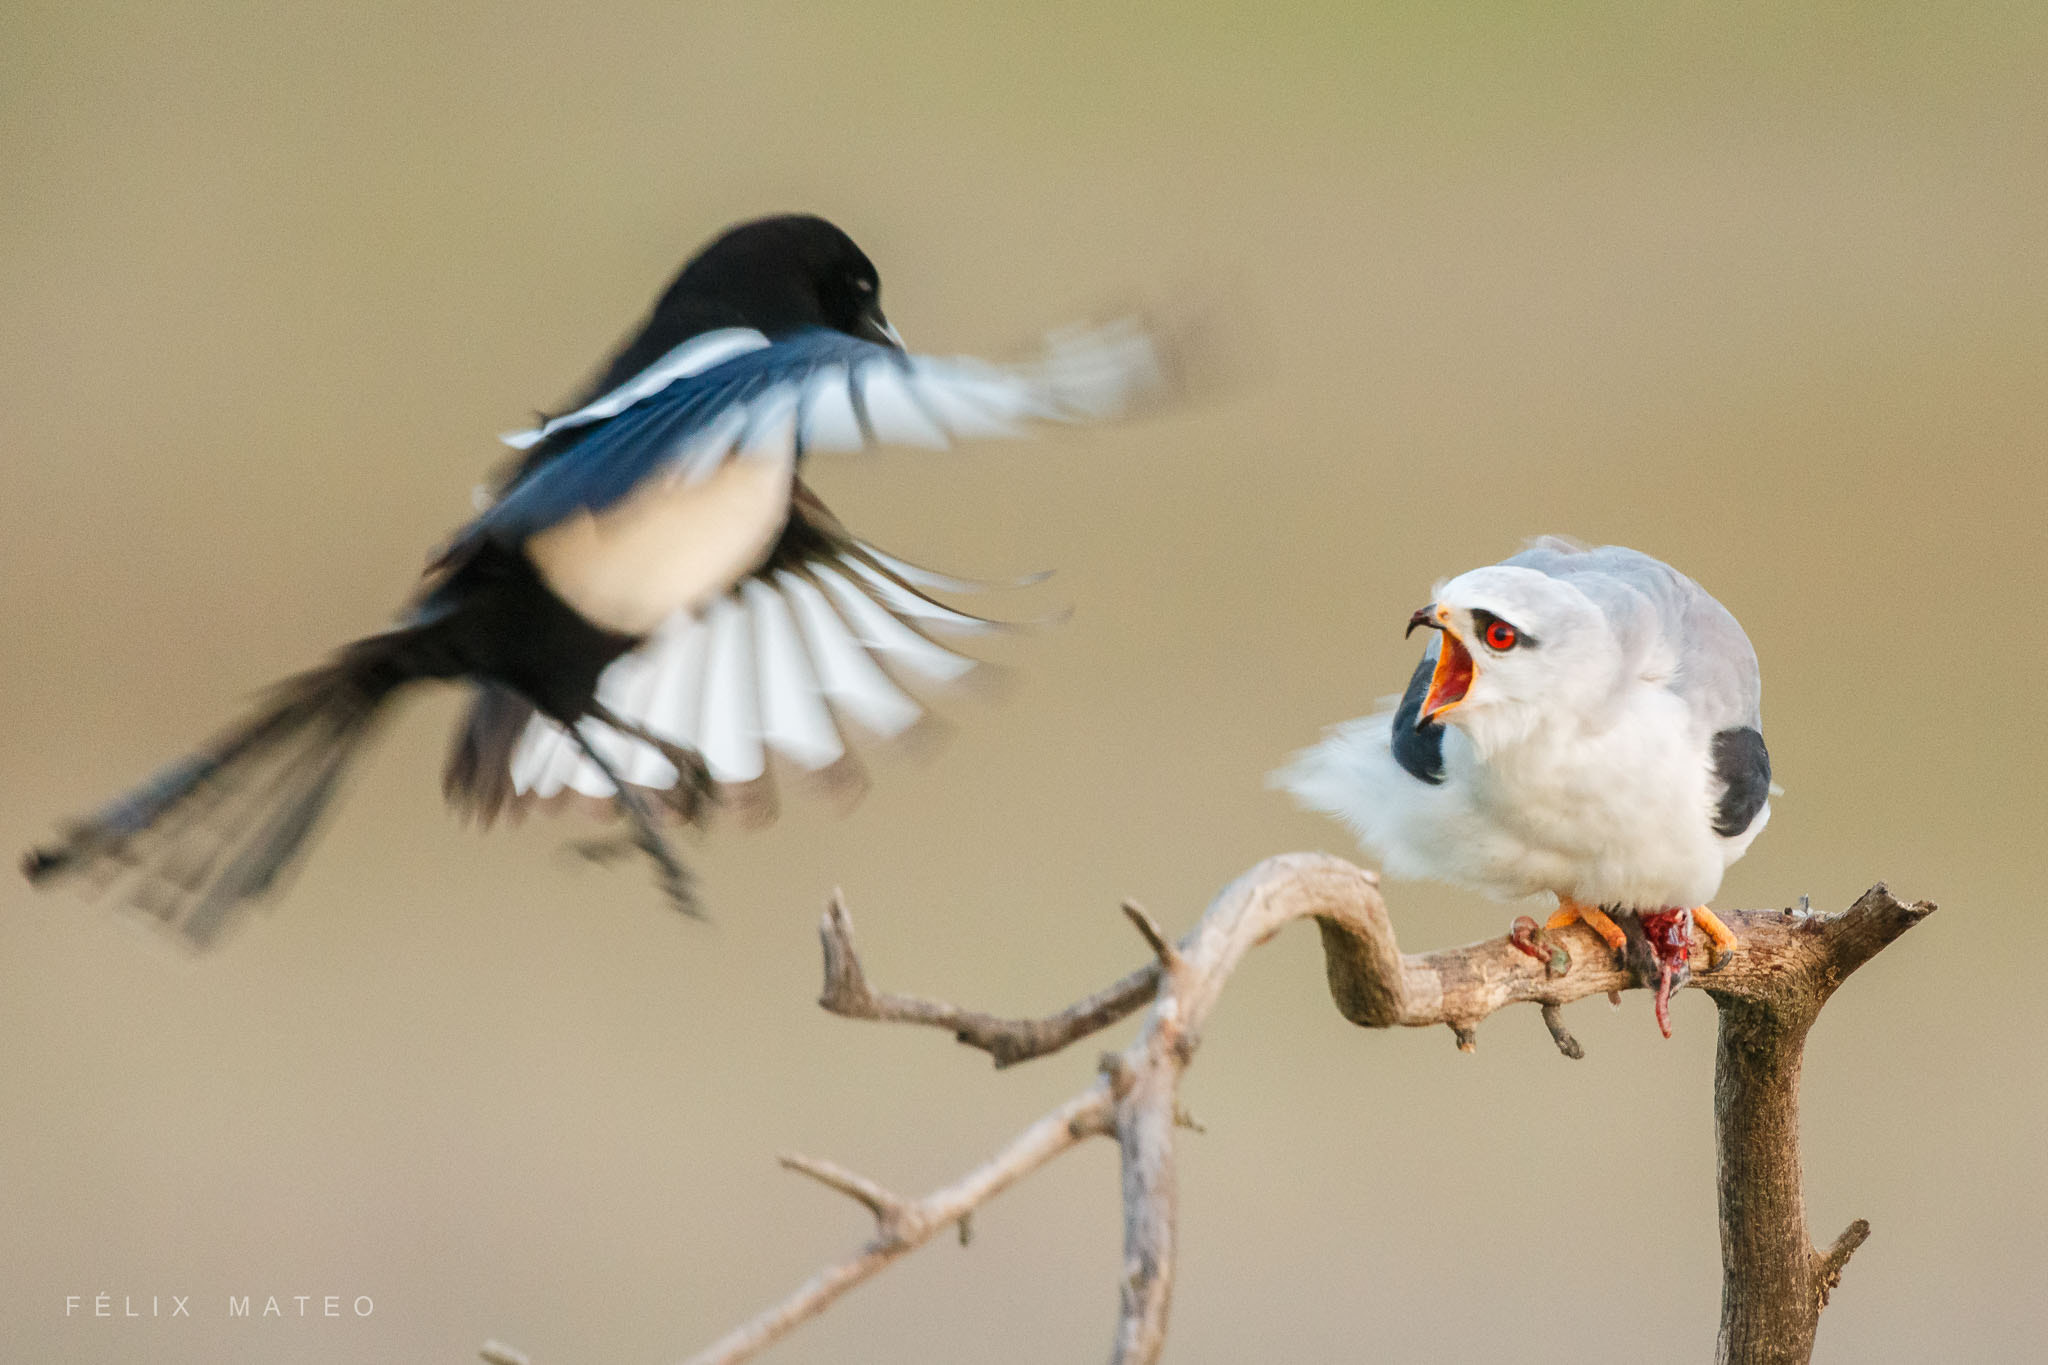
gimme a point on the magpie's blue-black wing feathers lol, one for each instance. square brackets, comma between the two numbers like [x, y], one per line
[735, 393]
[700, 417]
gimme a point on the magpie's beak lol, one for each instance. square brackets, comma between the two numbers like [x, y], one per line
[1453, 676]
[876, 328]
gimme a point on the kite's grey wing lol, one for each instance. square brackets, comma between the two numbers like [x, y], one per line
[1714, 666]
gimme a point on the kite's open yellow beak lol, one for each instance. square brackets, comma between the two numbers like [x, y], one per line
[1453, 676]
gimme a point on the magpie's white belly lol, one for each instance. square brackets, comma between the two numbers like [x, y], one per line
[668, 546]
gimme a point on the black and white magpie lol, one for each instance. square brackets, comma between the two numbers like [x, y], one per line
[651, 602]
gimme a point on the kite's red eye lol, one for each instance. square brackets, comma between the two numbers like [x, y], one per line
[1500, 637]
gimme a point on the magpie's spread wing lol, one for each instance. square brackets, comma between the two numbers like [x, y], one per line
[827, 637]
[829, 642]
[734, 393]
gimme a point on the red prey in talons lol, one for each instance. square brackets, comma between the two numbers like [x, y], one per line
[1669, 933]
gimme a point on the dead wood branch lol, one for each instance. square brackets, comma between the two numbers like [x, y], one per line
[1773, 1281]
[1009, 1041]
[1788, 963]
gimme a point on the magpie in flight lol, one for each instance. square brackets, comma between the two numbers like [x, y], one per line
[652, 602]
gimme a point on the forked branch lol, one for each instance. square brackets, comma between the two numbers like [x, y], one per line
[1787, 963]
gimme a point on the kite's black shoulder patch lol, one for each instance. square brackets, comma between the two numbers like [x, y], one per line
[1744, 767]
[1419, 749]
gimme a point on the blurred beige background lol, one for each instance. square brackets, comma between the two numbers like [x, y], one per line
[1761, 289]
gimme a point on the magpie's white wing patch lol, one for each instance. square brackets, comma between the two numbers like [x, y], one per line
[1084, 375]
[791, 666]
[794, 720]
[828, 635]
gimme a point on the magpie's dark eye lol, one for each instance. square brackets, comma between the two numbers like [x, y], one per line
[1501, 637]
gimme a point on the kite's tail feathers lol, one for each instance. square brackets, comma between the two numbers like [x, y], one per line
[208, 836]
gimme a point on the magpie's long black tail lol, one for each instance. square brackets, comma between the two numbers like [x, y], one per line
[200, 842]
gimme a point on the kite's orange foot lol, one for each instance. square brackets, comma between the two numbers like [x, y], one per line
[1721, 941]
[1598, 920]
[1670, 935]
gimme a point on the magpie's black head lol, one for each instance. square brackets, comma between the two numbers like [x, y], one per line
[780, 274]
[776, 275]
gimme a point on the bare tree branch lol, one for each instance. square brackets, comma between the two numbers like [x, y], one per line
[886, 1207]
[1787, 964]
[1009, 1041]
[1553, 1019]
[1828, 1270]
[1773, 1282]
[902, 1227]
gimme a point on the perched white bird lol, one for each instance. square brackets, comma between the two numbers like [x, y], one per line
[1586, 722]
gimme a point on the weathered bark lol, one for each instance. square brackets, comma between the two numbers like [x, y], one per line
[1769, 993]
[1774, 1283]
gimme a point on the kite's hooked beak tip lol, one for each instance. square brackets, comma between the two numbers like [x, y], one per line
[1424, 616]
